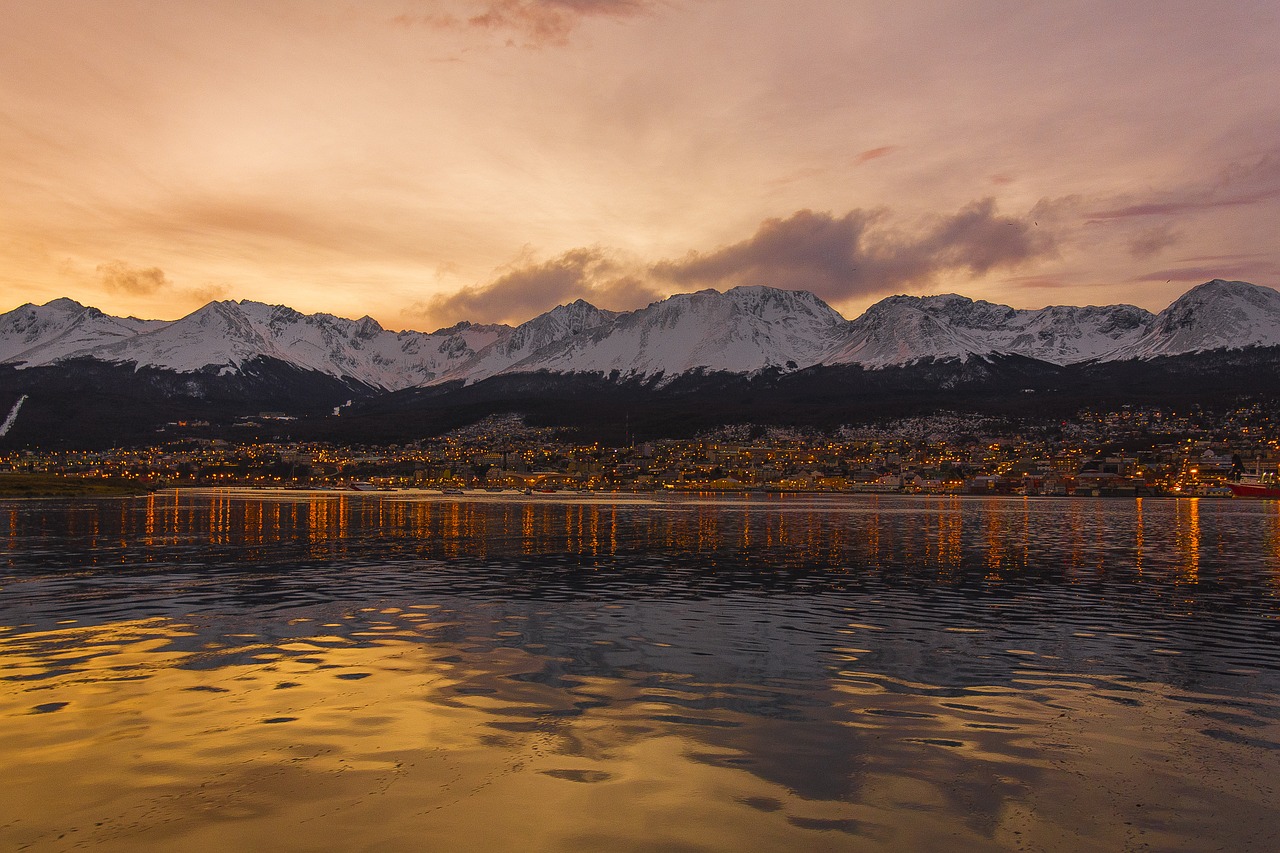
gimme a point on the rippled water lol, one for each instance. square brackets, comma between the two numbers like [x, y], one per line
[299, 671]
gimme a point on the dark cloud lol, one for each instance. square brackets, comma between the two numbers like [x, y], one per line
[1200, 259]
[1153, 241]
[528, 289]
[120, 277]
[1176, 207]
[862, 254]
[837, 257]
[810, 248]
[1245, 271]
[209, 293]
[1239, 184]
[538, 22]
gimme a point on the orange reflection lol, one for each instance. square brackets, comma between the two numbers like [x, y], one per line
[1187, 536]
[950, 533]
[995, 536]
[1139, 534]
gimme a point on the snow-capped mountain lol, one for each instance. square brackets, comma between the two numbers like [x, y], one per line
[742, 330]
[904, 329]
[32, 335]
[224, 336]
[1215, 315]
[1064, 334]
[545, 330]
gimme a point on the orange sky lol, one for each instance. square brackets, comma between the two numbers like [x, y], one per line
[425, 162]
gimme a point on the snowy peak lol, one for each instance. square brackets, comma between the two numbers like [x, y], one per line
[367, 327]
[226, 335]
[904, 329]
[1064, 334]
[1215, 315]
[62, 304]
[793, 308]
[561, 323]
[557, 324]
[220, 335]
[32, 335]
[743, 330]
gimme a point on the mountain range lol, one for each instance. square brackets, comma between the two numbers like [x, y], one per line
[743, 330]
[229, 358]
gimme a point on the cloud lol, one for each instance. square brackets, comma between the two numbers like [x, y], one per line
[1042, 282]
[874, 153]
[1153, 240]
[862, 254]
[528, 288]
[1199, 259]
[120, 277]
[1237, 185]
[1245, 271]
[825, 171]
[538, 22]
[209, 293]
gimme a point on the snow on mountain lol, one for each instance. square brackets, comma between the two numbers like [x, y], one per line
[904, 329]
[742, 330]
[1061, 334]
[1064, 334]
[1215, 315]
[225, 335]
[408, 359]
[558, 324]
[219, 335]
[32, 335]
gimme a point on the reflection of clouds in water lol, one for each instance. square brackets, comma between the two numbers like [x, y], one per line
[397, 721]
[1050, 564]
[774, 674]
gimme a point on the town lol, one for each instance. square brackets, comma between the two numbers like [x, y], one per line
[1131, 452]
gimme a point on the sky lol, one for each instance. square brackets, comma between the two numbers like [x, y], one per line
[430, 161]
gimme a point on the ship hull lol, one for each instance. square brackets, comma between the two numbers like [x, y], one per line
[1255, 490]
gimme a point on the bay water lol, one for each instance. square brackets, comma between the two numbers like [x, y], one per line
[251, 670]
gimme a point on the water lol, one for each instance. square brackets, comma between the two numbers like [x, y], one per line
[292, 671]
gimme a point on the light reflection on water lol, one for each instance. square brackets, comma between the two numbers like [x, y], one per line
[395, 671]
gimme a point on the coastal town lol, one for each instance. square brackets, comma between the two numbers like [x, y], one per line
[1132, 452]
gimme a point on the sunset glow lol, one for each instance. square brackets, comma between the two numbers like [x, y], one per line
[426, 162]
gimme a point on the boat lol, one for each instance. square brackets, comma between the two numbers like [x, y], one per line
[1261, 484]
[452, 492]
[363, 486]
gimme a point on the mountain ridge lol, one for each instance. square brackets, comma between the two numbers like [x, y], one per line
[742, 330]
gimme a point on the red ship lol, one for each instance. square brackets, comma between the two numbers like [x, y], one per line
[1260, 485]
